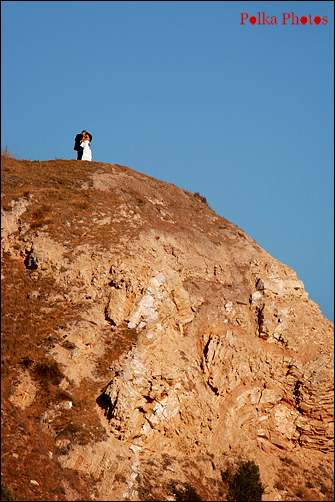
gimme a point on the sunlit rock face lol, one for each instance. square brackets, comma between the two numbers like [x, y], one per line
[165, 344]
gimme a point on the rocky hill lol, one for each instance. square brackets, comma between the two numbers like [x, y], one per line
[149, 346]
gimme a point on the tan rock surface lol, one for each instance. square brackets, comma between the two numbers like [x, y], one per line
[150, 343]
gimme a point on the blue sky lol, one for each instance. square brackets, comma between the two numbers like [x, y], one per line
[181, 91]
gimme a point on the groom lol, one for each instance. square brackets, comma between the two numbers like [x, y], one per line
[77, 145]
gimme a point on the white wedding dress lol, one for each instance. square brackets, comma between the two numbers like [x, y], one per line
[87, 153]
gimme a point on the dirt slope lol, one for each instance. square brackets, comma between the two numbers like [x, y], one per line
[148, 344]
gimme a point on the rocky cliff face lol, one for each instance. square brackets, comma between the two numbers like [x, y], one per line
[148, 344]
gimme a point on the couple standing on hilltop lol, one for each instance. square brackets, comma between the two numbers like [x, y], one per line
[82, 145]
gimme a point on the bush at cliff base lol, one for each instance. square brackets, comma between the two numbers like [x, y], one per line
[246, 484]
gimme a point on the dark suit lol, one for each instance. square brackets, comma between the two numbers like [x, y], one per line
[78, 147]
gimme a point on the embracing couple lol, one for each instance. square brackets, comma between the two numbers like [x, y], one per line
[82, 145]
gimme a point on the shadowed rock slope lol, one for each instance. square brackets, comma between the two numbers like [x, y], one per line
[148, 344]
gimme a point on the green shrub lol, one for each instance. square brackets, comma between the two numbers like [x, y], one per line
[226, 475]
[245, 484]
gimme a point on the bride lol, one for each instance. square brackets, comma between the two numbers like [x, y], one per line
[85, 143]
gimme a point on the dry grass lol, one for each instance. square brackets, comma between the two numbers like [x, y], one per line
[197, 196]
[7, 154]
[297, 484]
[26, 336]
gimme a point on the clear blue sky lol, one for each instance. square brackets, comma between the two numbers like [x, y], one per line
[181, 91]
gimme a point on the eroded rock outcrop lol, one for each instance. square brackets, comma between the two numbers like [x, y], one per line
[188, 346]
